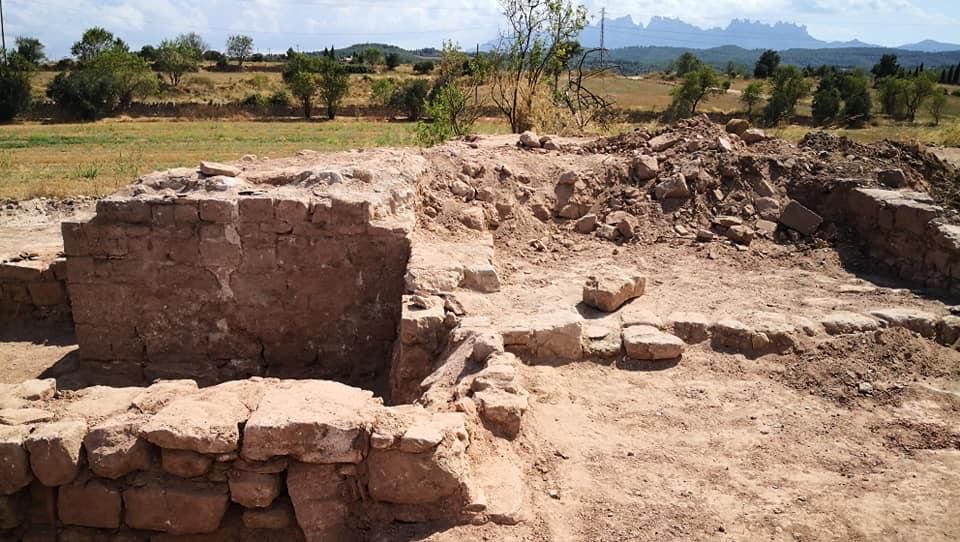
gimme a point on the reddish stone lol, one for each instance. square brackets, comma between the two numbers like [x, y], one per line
[253, 490]
[94, 503]
[185, 463]
[175, 506]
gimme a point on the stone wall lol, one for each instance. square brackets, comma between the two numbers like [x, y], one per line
[33, 290]
[907, 233]
[259, 459]
[229, 277]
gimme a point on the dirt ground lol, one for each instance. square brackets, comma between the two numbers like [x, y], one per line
[716, 446]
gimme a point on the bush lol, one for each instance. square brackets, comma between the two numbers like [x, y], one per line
[381, 91]
[359, 69]
[213, 56]
[392, 60]
[279, 99]
[254, 100]
[787, 88]
[411, 97]
[451, 114]
[423, 67]
[14, 88]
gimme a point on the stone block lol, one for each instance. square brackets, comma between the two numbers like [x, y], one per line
[843, 323]
[610, 290]
[913, 216]
[90, 503]
[175, 506]
[797, 217]
[203, 426]
[252, 489]
[218, 211]
[114, 449]
[55, 451]
[692, 327]
[647, 343]
[255, 209]
[918, 321]
[319, 497]
[14, 461]
[277, 516]
[185, 463]
[501, 410]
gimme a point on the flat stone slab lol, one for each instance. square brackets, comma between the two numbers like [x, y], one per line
[844, 323]
[646, 343]
[918, 321]
[203, 426]
[313, 421]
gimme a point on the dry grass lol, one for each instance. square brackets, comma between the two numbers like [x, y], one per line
[56, 160]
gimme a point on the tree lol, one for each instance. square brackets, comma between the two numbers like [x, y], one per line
[334, 83]
[697, 87]
[107, 77]
[148, 53]
[30, 50]
[423, 67]
[392, 60]
[300, 76]
[857, 101]
[455, 102]
[174, 58]
[787, 87]
[15, 74]
[826, 101]
[956, 75]
[195, 42]
[382, 90]
[916, 90]
[892, 92]
[411, 97]
[94, 42]
[936, 105]
[767, 63]
[535, 30]
[751, 96]
[372, 56]
[887, 67]
[686, 63]
[239, 47]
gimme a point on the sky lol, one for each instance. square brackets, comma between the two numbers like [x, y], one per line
[276, 25]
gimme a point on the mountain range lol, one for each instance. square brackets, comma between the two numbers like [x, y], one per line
[670, 32]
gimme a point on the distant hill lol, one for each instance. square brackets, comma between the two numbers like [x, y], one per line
[931, 46]
[406, 56]
[644, 59]
[671, 32]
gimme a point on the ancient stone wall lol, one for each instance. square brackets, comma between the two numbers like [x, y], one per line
[905, 232]
[33, 290]
[259, 459]
[241, 278]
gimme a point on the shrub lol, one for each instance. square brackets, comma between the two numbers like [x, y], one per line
[382, 91]
[392, 60]
[15, 76]
[787, 88]
[451, 116]
[411, 97]
[279, 99]
[358, 69]
[423, 67]
[254, 100]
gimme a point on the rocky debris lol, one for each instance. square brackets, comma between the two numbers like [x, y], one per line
[529, 140]
[214, 169]
[664, 141]
[586, 224]
[672, 187]
[645, 167]
[737, 126]
[740, 234]
[646, 343]
[753, 135]
[692, 327]
[797, 217]
[921, 322]
[893, 178]
[55, 451]
[623, 223]
[464, 190]
[609, 290]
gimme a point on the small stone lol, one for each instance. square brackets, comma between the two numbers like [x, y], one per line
[673, 187]
[664, 141]
[740, 234]
[569, 177]
[213, 169]
[753, 135]
[185, 463]
[800, 219]
[894, 178]
[609, 291]
[645, 167]
[586, 224]
[462, 189]
[865, 388]
[14, 461]
[529, 140]
[737, 126]
[115, 450]
[705, 236]
[421, 438]
[767, 208]
[648, 343]
[473, 218]
[23, 416]
[253, 490]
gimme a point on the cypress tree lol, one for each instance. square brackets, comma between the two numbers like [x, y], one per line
[956, 75]
[950, 75]
[943, 76]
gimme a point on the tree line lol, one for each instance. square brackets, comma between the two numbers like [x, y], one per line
[840, 97]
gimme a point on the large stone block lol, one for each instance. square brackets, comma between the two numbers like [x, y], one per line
[204, 426]
[55, 451]
[14, 462]
[311, 421]
[797, 217]
[114, 448]
[91, 503]
[252, 489]
[648, 343]
[175, 506]
[608, 291]
[320, 500]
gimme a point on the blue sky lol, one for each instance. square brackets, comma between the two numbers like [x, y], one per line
[314, 24]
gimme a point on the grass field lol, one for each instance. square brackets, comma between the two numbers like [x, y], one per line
[95, 159]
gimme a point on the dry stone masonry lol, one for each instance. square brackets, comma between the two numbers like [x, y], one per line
[34, 289]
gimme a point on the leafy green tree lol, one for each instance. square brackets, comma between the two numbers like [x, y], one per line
[887, 67]
[392, 60]
[751, 96]
[686, 63]
[448, 112]
[857, 101]
[15, 74]
[767, 64]
[826, 101]
[334, 84]
[148, 53]
[372, 56]
[107, 77]
[411, 97]
[382, 91]
[787, 87]
[30, 50]
[239, 47]
[916, 90]
[534, 33]
[697, 87]
[303, 85]
[936, 105]
[423, 67]
[892, 92]
[195, 42]
[175, 58]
